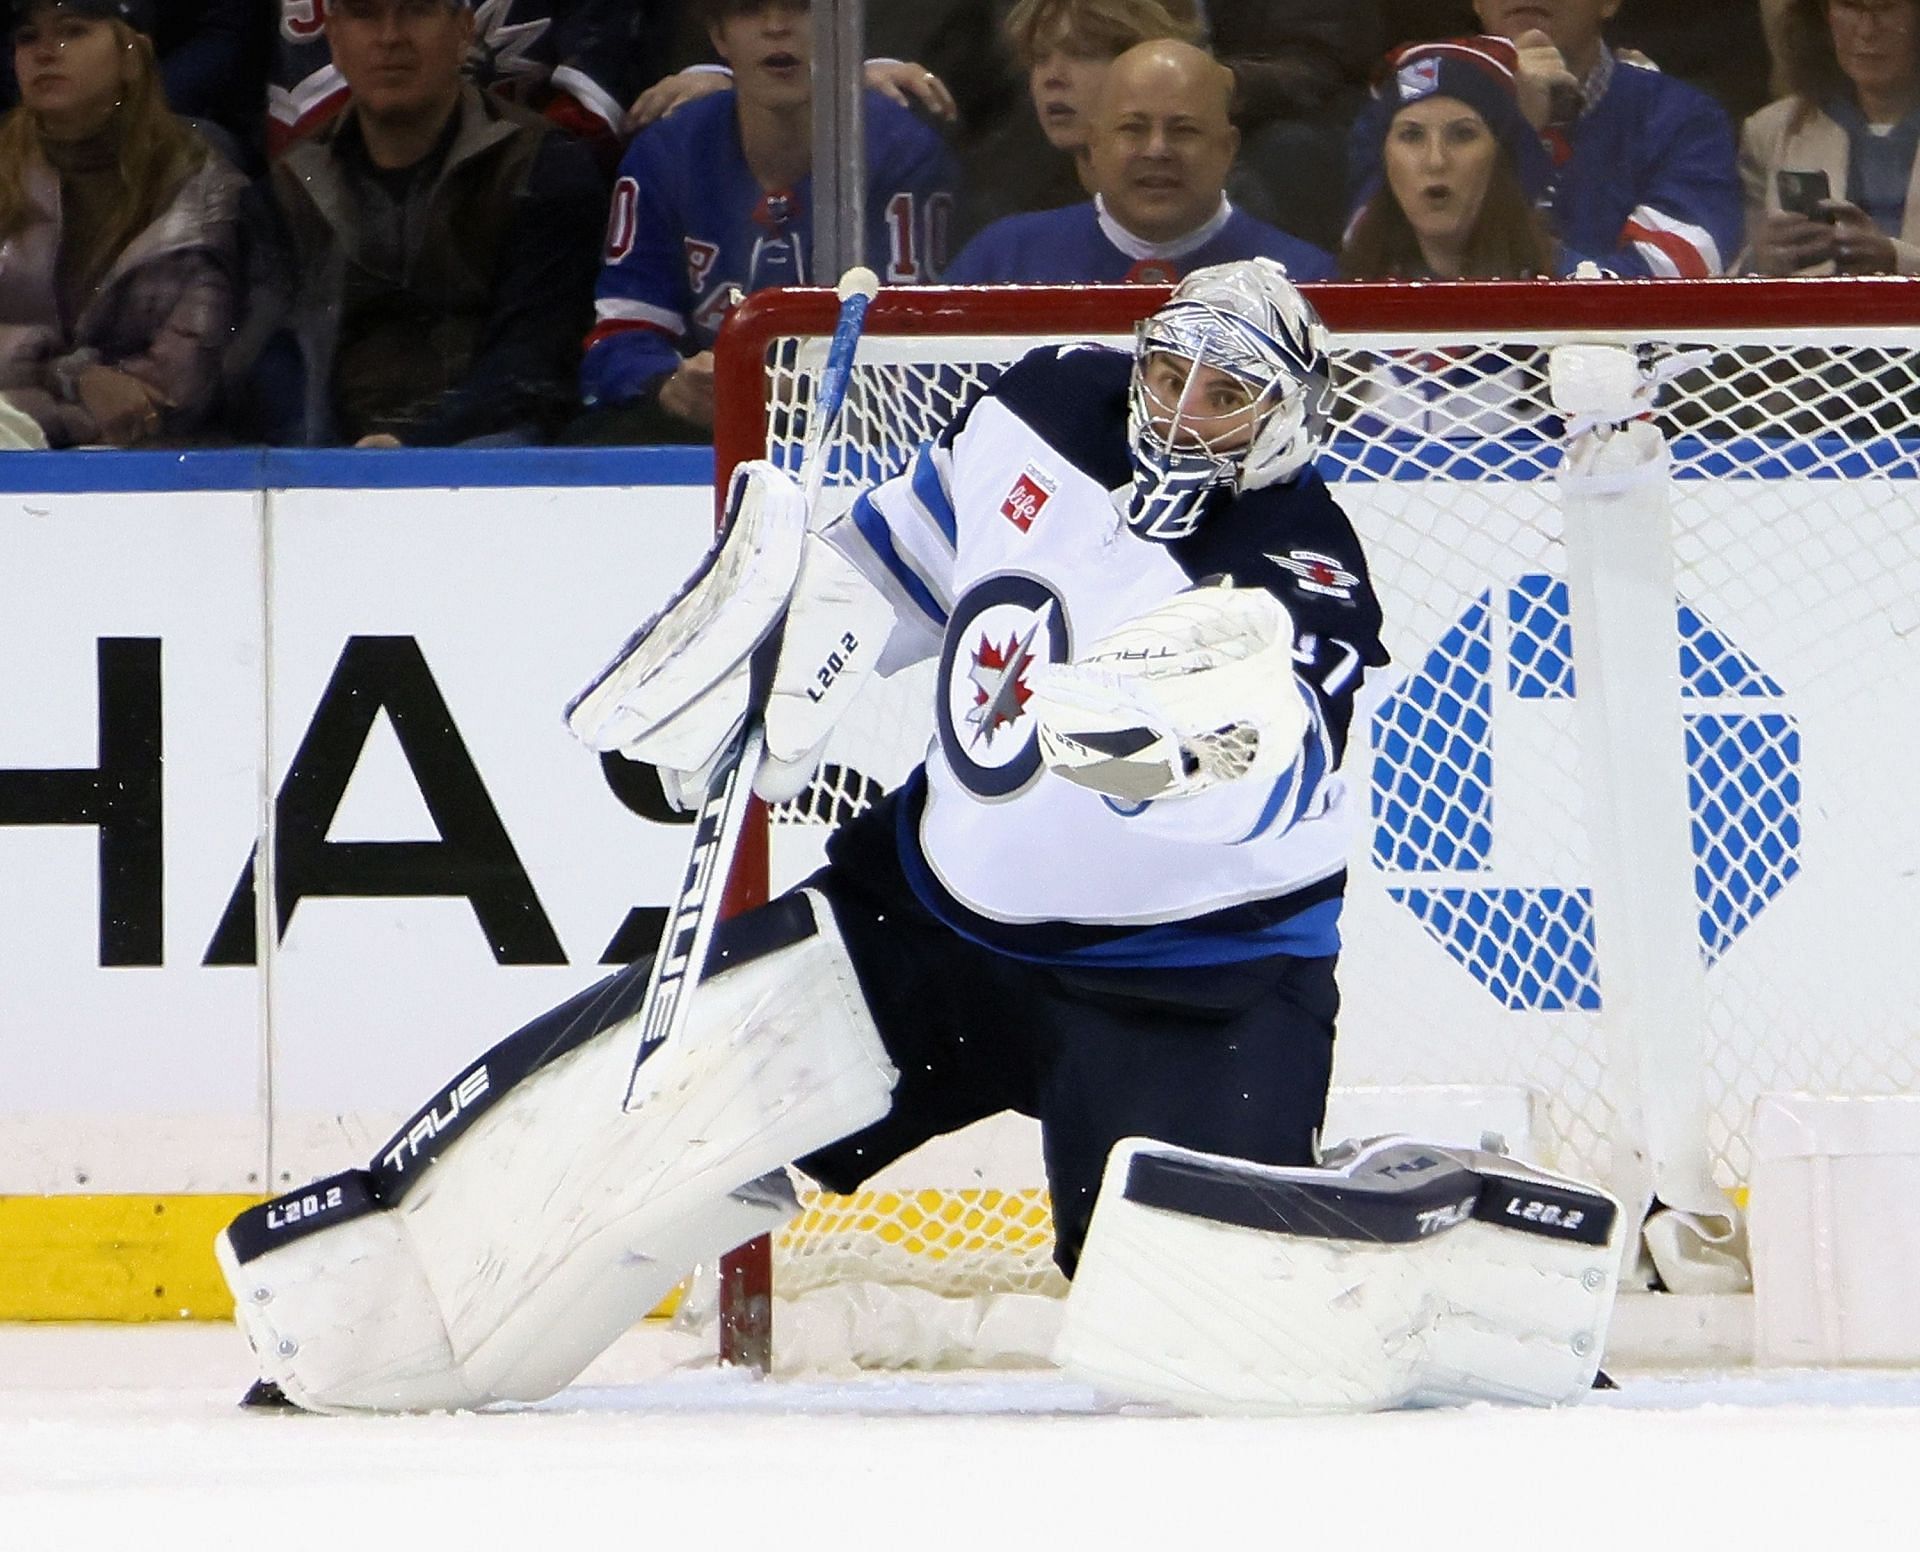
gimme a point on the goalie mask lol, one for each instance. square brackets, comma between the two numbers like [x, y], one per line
[1229, 393]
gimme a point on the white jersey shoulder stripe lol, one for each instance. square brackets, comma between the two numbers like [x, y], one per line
[621, 309]
[1671, 247]
[869, 538]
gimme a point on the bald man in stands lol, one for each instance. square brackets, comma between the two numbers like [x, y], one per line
[1160, 145]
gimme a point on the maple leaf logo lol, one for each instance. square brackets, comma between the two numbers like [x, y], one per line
[999, 675]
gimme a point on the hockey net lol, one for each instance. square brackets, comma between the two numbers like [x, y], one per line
[1472, 971]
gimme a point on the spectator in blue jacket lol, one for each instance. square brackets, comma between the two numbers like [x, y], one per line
[1159, 145]
[1645, 178]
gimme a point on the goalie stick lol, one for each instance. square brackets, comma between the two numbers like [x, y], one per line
[723, 809]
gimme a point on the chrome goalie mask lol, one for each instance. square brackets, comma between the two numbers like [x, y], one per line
[1247, 320]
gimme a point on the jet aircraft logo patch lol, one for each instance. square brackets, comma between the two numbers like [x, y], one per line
[1001, 630]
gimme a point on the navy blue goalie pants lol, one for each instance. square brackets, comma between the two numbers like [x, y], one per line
[1232, 1059]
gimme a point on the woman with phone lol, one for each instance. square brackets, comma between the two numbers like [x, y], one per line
[1831, 177]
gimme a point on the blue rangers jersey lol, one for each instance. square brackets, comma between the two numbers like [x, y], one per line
[527, 50]
[1646, 180]
[1083, 244]
[691, 231]
[1002, 545]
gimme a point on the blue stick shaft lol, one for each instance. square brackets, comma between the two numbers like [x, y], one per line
[835, 375]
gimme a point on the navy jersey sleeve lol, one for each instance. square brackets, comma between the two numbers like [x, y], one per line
[598, 56]
[303, 88]
[1295, 540]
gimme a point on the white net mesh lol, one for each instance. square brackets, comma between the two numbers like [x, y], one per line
[1469, 928]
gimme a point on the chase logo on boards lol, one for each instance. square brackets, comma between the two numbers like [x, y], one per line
[471, 856]
[1531, 945]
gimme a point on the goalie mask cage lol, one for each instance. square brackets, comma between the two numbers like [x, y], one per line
[1606, 958]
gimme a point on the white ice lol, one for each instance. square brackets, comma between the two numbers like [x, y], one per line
[128, 1438]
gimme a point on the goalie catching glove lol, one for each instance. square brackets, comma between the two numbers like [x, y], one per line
[684, 684]
[1191, 694]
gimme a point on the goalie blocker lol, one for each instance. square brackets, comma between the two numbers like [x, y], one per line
[775, 614]
[1403, 1274]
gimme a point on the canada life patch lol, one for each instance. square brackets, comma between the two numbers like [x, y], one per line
[1030, 493]
[1316, 573]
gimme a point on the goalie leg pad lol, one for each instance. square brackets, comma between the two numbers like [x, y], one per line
[554, 1220]
[351, 1320]
[1407, 1275]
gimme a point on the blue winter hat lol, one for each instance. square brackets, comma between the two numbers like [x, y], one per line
[137, 14]
[1481, 73]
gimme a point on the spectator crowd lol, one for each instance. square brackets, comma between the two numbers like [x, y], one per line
[386, 223]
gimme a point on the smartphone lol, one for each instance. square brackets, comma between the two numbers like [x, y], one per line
[1565, 102]
[1801, 192]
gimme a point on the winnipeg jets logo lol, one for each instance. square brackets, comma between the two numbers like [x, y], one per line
[1320, 574]
[1000, 680]
[1000, 631]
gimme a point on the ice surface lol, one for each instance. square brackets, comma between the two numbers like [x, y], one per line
[128, 1438]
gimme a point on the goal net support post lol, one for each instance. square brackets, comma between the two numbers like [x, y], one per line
[1613, 486]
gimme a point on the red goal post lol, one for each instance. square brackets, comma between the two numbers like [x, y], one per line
[1478, 930]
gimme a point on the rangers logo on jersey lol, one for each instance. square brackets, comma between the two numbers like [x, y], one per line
[999, 632]
[501, 48]
[1030, 493]
[1318, 574]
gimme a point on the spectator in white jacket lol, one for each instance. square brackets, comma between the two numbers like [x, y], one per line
[1830, 169]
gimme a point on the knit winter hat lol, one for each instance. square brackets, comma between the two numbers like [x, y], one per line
[1477, 71]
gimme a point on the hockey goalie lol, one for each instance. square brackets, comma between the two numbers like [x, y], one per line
[1109, 899]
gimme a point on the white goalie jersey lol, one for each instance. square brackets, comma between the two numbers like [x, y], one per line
[1002, 548]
